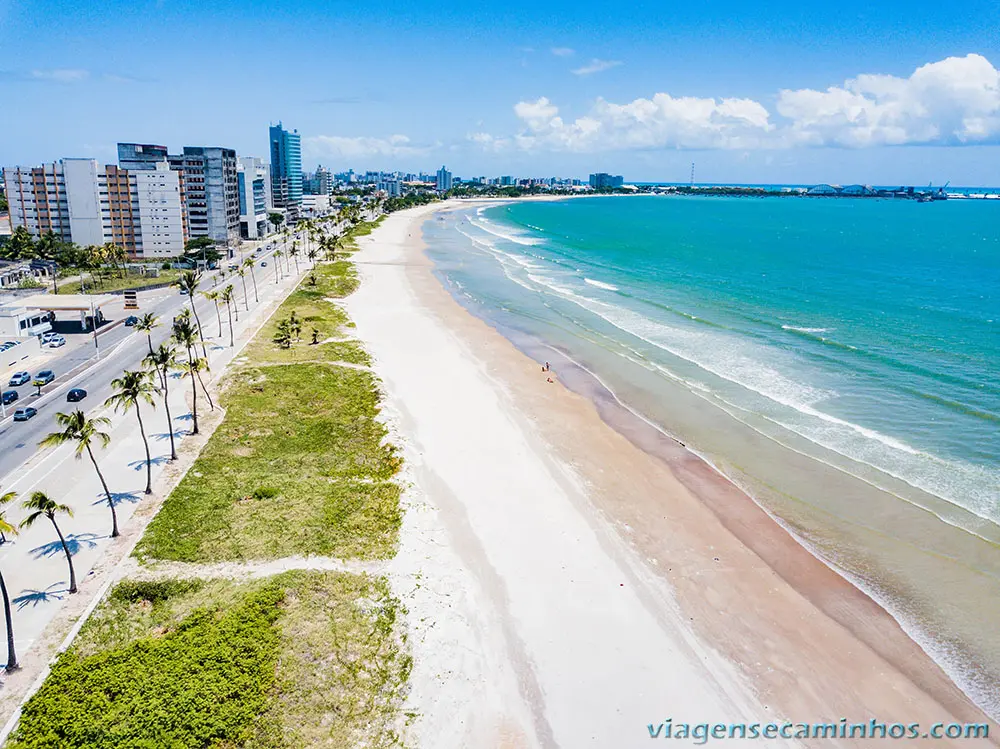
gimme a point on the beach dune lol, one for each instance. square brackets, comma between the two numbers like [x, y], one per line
[566, 588]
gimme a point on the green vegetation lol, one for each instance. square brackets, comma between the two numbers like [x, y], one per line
[200, 680]
[117, 284]
[298, 660]
[410, 200]
[359, 230]
[305, 428]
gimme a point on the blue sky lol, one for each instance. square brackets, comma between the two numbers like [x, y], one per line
[897, 92]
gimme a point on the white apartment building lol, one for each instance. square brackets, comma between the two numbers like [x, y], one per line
[81, 202]
[256, 199]
[84, 201]
[38, 200]
[158, 193]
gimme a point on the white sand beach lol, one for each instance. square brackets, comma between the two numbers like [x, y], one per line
[566, 588]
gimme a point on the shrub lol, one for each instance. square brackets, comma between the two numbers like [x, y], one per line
[202, 685]
[154, 591]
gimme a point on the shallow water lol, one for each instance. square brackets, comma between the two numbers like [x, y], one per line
[837, 358]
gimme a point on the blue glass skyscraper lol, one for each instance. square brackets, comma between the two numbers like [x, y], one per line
[286, 170]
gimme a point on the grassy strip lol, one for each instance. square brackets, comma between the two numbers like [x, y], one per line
[311, 304]
[302, 659]
[360, 230]
[115, 283]
[299, 465]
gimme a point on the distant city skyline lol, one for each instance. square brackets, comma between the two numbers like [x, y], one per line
[780, 92]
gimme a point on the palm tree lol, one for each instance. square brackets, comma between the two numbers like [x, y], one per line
[193, 368]
[4, 499]
[294, 252]
[214, 297]
[85, 432]
[145, 325]
[184, 334]
[133, 388]
[250, 263]
[40, 504]
[227, 297]
[188, 282]
[243, 276]
[5, 528]
[163, 360]
[277, 264]
[312, 254]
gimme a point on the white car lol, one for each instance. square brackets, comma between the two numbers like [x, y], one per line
[57, 342]
[46, 337]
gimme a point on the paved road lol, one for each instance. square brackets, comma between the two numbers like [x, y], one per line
[121, 348]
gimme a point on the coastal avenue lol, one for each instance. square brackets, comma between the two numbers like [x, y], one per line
[120, 348]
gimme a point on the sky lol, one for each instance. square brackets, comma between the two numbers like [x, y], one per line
[763, 92]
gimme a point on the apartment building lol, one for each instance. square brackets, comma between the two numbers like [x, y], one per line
[254, 182]
[81, 202]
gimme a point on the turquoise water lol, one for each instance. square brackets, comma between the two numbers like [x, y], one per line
[863, 333]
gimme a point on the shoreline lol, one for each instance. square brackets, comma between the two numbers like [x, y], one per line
[691, 543]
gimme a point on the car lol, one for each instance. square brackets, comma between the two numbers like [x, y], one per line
[25, 413]
[75, 395]
[44, 377]
[131, 320]
[57, 342]
[184, 292]
[18, 378]
[263, 263]
[46, 337]
[9, 396]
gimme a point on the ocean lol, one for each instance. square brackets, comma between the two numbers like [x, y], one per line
[839, 359]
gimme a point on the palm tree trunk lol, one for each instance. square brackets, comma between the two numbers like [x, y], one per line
[149, 460]
[69, 557]
[194, 403]
[253, 277]
[246, 301]
[107, 493]
[229, 311]
[204, 351]
[218, 315]
[170, 421]
[149, 340]
[12, 664]
[205, 390]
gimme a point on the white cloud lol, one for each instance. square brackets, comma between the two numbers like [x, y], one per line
[340, 147]
[660, 122]
[597, 66]
[60, 75]
[488, 142]
[954, 101]
[563, 51]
